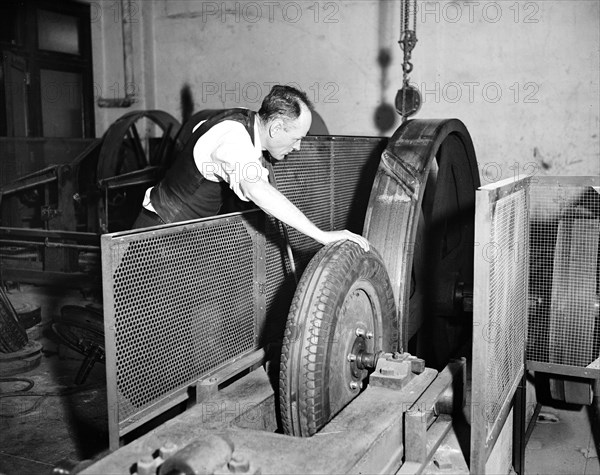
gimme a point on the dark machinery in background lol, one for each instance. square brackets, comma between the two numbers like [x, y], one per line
[52, 219]
[79, 195]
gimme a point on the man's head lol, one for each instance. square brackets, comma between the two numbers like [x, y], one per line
[285, 117]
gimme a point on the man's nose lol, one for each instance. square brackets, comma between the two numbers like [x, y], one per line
[296, 145]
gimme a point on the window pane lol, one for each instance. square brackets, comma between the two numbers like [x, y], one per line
[57, 32]
[9, 17]
[62, 108]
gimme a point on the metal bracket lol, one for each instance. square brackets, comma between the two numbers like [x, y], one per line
[395, 370]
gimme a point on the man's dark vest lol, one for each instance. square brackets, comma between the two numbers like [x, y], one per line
[184, 193]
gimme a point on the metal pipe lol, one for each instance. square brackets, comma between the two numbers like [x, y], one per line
[27, 186]
[129, 97]
[126, 10]
[40, 234]
[47, 243]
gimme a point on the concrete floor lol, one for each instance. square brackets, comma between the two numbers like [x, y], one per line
[562, 443]
[57, 423]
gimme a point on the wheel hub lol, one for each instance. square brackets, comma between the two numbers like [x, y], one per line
[356, 322]
[359, 358]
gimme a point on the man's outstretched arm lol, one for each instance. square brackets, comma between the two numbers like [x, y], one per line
[273, 202]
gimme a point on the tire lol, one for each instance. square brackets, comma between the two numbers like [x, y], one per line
[13, 336]
[343, 288]
[16, 362]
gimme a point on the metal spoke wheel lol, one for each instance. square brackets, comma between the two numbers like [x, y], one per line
[124, 150]
[421, 218]
[341, 317]
[82, 329]
[129, 162]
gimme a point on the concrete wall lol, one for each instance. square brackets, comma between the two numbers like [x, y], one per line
[523, 76]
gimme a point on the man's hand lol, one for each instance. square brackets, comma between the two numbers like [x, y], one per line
[332, 236]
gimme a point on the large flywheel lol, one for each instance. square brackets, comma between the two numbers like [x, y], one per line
[124, 150]
[341, 317]
[420, 218]
[129, 162]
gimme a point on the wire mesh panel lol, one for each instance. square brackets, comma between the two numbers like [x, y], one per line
[179, 301]
[355, 162]
[184, 300]
[564, 318]
[330, 180]
[305, 179]
[500, 310]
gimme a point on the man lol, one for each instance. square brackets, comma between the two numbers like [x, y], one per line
[226, 152]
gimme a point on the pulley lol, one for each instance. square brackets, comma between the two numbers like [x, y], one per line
[408, 101]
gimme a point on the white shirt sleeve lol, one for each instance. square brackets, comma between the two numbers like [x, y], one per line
[226, 153]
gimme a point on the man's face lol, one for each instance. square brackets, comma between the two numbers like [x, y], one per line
[286, 136]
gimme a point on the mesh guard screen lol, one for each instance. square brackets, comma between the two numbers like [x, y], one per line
[564, 316]
[499, 310]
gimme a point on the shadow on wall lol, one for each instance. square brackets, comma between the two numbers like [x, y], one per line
[186, 99]
[318, 126]
[385, 114]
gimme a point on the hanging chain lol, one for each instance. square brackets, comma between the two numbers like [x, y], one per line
[408, 99]
[408, 35]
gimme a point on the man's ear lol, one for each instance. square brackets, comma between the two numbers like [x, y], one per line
[275, 127]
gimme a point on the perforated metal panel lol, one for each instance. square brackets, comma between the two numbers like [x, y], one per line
[181, 301]
[178, 302]
[305, 178]
[564, 319]
[330, 180]
[352, 180]
[500, 311]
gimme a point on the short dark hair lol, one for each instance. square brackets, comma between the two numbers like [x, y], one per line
[283, 102]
